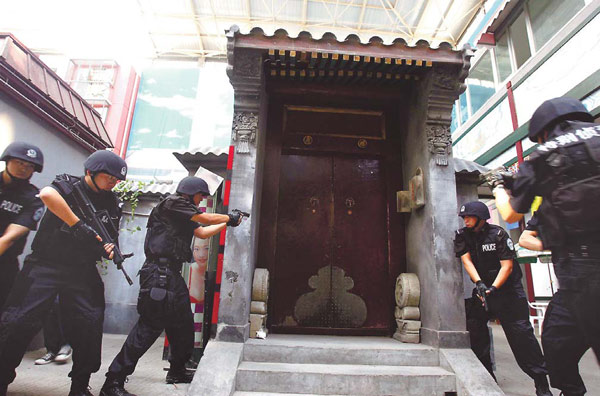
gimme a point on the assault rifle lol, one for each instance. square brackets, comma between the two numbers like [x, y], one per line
[98, 219]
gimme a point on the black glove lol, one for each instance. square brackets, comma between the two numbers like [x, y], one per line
[492, 290]
[235, 218]
[481, 288]
[499, 177]
[84, 233]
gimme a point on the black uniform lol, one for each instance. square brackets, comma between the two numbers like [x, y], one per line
[565, 171]
[508, 303]
[64, 266]
[164, 301]
[20, 205]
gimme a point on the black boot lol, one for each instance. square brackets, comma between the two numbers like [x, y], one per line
[114, 387]
[80, 392]
[541, 387]
[179, 376]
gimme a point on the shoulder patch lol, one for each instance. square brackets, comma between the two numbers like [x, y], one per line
[37, 215]
[510, 244]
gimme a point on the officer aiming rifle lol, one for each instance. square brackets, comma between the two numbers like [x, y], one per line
[99, 219]
[63, 263]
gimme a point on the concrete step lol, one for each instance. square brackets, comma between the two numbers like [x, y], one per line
[280, 348]
[344, 379]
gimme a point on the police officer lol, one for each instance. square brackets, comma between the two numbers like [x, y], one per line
[20, 208]
[565, 171]
[63, 262]
[163, 302]
[562, 358]
[487, 254]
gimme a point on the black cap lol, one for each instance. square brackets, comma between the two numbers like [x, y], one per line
[107, 162]
[26, 152]
[475, 208]
[554, 111]
[192, 185]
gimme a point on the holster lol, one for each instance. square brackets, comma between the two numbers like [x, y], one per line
[159, 291]
[155, 299]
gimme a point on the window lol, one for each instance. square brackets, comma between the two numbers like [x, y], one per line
[548, 16]
[454, 122]
[464, 113]
[525, 32]
[503, 57]
[93, 80]
[520, 40]
[481, 82]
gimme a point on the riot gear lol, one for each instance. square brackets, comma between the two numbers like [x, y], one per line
[106, 162]
[553, 111]
[475, 208]
[26, 152]
[192, 185]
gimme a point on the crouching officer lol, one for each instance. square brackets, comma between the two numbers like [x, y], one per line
[164, 302]
[63, 262]
[20, 208]
[565, 171]
[487, 254]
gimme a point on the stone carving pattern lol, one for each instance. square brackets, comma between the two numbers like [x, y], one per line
[439, 142]
[445, 79]
[245, 125]
[247, 65]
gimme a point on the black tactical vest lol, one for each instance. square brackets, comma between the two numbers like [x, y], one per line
[569, 166]
[167, 237]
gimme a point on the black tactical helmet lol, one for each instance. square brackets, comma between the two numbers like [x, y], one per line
[475, 208]
[192, 185]
[26, 152]
[556, 110]
[107, 162]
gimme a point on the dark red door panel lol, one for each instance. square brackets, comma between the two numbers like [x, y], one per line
[304, 237]
[360, 243]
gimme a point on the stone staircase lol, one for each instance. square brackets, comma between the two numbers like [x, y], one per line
[294, 365]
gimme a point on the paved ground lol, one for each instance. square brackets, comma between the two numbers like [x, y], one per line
[52, 380]
[148, 380]
[515, 382]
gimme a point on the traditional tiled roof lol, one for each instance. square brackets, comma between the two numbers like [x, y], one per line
[375, 47]
[351, 61]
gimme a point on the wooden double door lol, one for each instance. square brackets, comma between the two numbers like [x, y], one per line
[331, 260]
